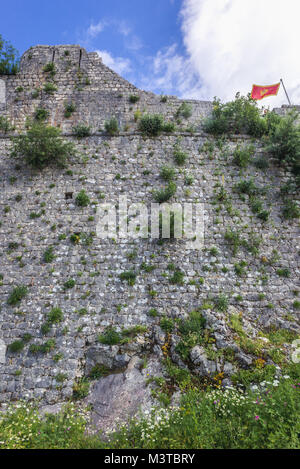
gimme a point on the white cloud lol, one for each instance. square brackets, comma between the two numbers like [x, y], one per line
[120, 65]
[232, 44]
[170, 73]
[95, 29]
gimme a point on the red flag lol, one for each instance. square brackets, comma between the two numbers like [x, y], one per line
[260, 92]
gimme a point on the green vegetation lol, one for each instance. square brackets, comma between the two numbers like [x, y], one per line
[17, 294]
[69, 284]
[81, 130]
[177, 278]
[167, 173]
[153, 124]
[283, 142]
[111, 337]
[129, 276]
[49, 256]
[212, 419]
[112, 126]
[163, 195]
[133, 98]
[41, 114]
[5, 125]
[82, 199]
[41, 146]
[239, 116]
[50, 88]
[9, 59]
[69, 109]
[185, 110]
[49, 68]
[180, 156]
[242, 156]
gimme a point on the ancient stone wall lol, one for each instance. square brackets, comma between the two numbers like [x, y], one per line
[38, 212]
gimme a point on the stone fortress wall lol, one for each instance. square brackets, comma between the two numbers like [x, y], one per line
[105, 168]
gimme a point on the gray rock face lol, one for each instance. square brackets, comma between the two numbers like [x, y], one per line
[118, 397]
[204, 366]
[105, 355]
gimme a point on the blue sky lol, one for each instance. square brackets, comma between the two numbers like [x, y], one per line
[190, 48]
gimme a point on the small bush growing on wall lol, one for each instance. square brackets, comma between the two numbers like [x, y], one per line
[69, 109]
[151, 124]
[112, 126]
[82, 199]
[239, 116]
[50, 88]
[242, 156]
[17, 295]
[184, 110]
[41, 146]
[41, 114]
[81, 130]
[165, 194]
[133, 98]
[283, 142]
[5, 125]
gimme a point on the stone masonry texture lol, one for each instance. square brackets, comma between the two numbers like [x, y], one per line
[38, 211]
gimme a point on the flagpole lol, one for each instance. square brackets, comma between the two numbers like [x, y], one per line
[285, 92]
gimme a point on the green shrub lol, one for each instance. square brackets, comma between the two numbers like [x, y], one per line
[177, 277]
[81, 130]
[284, 272]
[16, 346]
[221, 303]
[82, 199]
[55, 316]
[41, 146]
[41, 114]
[291, 210]
[151, 125]
[247, 186]
[9, 60]
[43, 348]
[169, 127]
[110, 337]
[129, 276]
[184, 110]
[283, 142]
[194, 324]
[98, 371]
[69, 284]
[69, 109]
[239, 116]
[167, 324]
[50, 88]
[49, 67]
[49, 255]
[180, 157]
[165, 194]
[81, 388]
[243, 156]
[36, 93]
[5, 125]
[133, 98]
[167, 173]
[17, 295]
[112, 126]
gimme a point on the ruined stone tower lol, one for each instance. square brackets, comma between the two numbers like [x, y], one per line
[38, 212]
